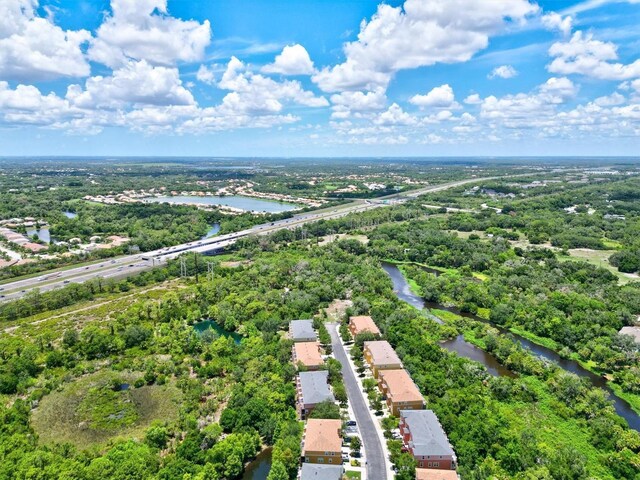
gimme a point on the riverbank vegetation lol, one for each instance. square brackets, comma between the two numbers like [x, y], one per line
[573, 307]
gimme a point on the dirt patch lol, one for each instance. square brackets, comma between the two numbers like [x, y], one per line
[235, 264]
[337, 309]
[343, 236]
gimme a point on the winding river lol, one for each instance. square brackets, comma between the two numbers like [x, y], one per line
[465, 349]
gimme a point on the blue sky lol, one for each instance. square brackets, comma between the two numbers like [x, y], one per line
[319, 77]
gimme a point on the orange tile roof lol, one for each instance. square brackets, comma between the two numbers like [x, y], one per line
[308, 353]
[382, 353]
[434, 474]
[364, 323]
[322, 435]
[401, 386]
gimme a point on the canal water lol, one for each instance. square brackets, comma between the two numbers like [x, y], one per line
[458, 344]
[213, 230]
[465, 349]
[258, 468]
[201, 327]
[249, 204]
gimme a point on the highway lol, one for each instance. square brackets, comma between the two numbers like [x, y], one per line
[131, 264]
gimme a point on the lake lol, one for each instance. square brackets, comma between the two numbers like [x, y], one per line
[69, 214]
[249, 204]
[201, 327]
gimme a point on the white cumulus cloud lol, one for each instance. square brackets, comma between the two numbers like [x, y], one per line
[144, 30]
[33, 48]
[503, 71]
[439, 97]
[394, 115]
[135, 83]
[593, 58]
[345, 103]
[206, 75]
[420, 33]
[555, 21]
[254, 93]
[294, 60]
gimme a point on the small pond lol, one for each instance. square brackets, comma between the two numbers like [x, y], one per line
[205, 325]
[42, 233]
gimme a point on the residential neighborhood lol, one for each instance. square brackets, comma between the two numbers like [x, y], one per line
[322, 441]
[400, 391]
[380, 355]
[417, 428]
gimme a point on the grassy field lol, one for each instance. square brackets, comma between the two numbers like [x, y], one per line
[88, 412]
[343, 236]
[599, 258]
[76, 316]
[451, 271]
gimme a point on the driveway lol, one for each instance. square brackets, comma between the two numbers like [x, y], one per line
[376, 463]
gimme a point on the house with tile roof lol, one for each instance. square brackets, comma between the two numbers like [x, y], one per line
[436, 474]
[400, 391]
[307, 354]
[321, 442]
[380, 355]
[362, 323]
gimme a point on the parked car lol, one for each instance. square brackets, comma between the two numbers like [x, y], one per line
[351, 423]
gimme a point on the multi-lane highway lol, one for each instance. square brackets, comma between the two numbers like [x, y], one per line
[132, 264]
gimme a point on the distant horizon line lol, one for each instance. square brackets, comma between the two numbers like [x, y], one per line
[355, 157]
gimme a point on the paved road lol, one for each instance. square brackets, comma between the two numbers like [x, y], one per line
[376, 464]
